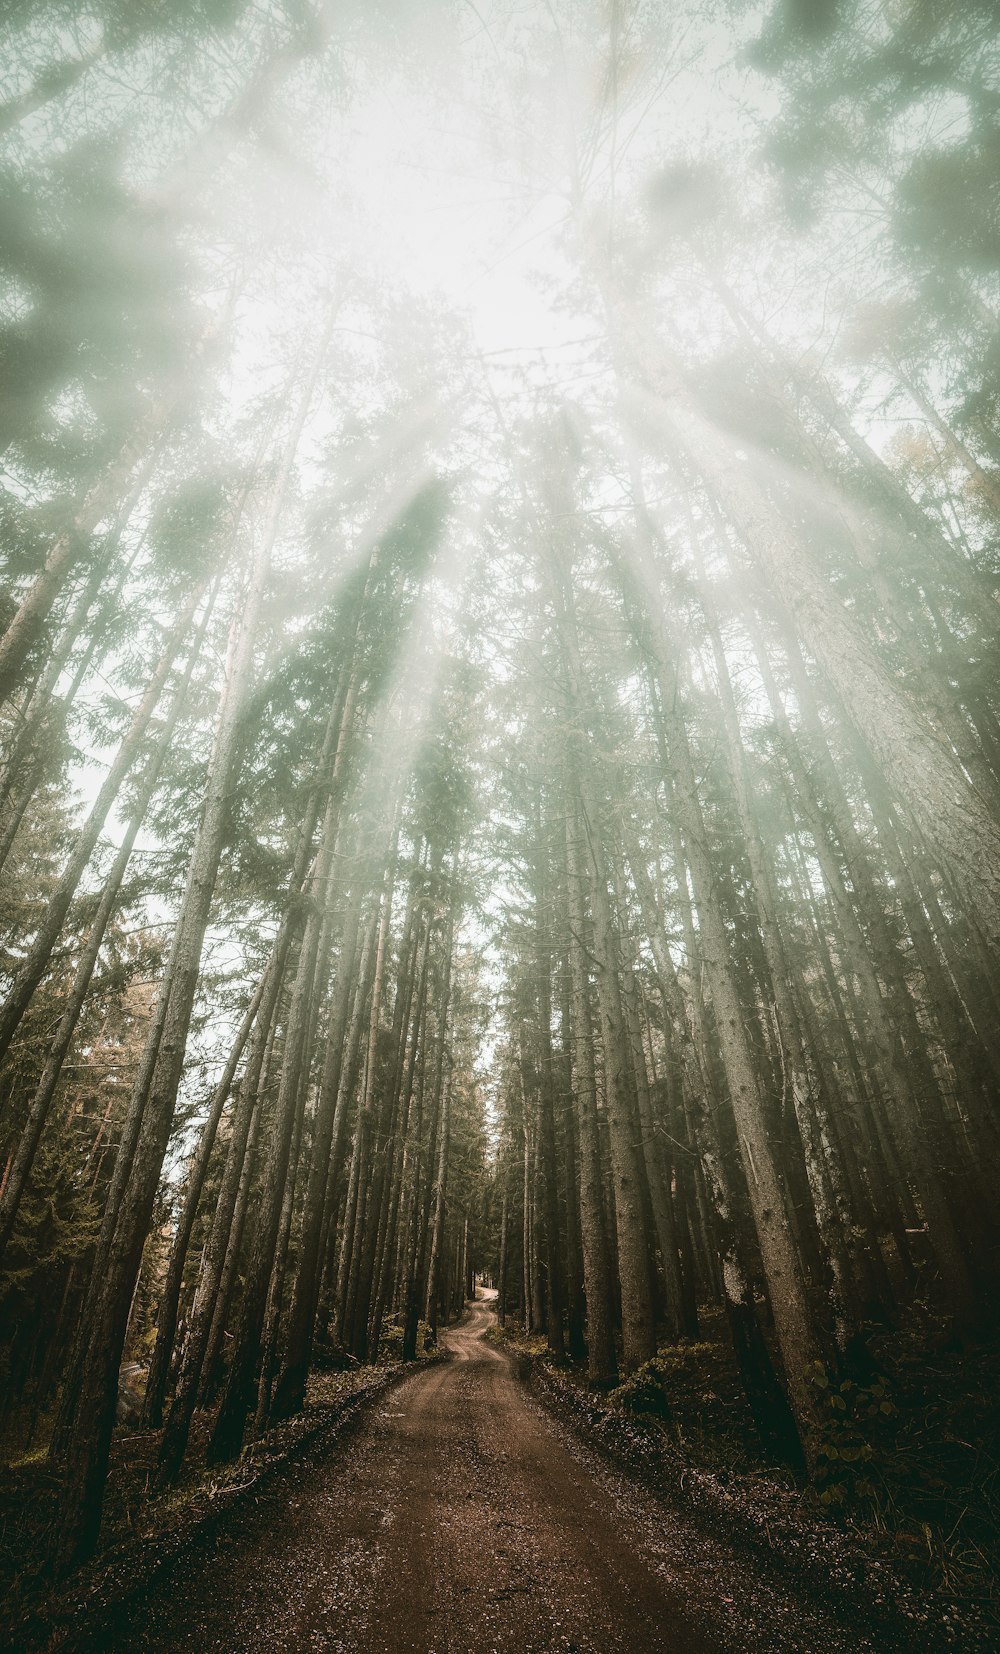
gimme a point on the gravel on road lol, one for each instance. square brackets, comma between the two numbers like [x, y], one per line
[460, 1517]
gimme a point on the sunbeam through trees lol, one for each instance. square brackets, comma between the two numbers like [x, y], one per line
[500, 763]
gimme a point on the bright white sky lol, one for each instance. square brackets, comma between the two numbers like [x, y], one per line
[450, 175]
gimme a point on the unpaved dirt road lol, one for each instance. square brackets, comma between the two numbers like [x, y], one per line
[459, 1518]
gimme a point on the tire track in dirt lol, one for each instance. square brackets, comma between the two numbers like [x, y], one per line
[459, 1518]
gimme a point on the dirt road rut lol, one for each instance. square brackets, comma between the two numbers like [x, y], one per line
[459, 1518]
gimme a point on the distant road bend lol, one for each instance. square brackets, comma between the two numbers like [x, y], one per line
[459, 1518]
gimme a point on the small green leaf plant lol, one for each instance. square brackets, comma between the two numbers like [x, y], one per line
[856, 1439]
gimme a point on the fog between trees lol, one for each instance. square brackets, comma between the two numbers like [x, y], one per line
[501, 742]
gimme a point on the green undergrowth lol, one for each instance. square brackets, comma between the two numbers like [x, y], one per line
[390, 1349]
[908, 1454]
[911, 1453]
[692, 1392]
[512, 1336]
[689, 1392]
[138, 1517]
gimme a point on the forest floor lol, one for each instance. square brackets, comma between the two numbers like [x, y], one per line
[901, 1513]
[461, 1516]
[144, 1530]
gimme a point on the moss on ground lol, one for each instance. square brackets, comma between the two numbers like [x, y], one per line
[909, 1453]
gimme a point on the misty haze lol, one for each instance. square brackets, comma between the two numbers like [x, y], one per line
[499, 826]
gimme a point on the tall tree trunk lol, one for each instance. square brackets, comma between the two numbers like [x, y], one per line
[36, 960]
[922, 770]
[240, 1388]
[602, 1365]
[85, 1440]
